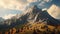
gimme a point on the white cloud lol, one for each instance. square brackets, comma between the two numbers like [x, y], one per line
[54, 11]
[13, 4]
[18, 4]
[8, 16]
[48, 0]
[42, 3]
[38, 0]
[31, 1]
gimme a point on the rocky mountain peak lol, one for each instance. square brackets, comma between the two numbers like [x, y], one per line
[33, 15]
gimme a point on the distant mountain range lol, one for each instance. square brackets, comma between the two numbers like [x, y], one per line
[33, 15]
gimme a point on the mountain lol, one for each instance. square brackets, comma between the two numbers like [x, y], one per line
[37, 14]
[33, 15]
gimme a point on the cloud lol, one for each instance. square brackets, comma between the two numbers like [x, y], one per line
[8, 11]
[54, 11]
[13, 4]
[19, 4]
[31, 1]
[44, 2]
[8, 16]
[48, 0]
[38, 0]
[39, 3]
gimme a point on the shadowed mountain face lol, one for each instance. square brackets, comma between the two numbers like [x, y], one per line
[36, 15]
[51, 20]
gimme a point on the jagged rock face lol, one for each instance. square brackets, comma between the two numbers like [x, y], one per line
[37, 14]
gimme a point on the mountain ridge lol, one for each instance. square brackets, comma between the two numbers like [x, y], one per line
[36, 15]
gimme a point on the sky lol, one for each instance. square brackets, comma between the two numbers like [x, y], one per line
[9, 8]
